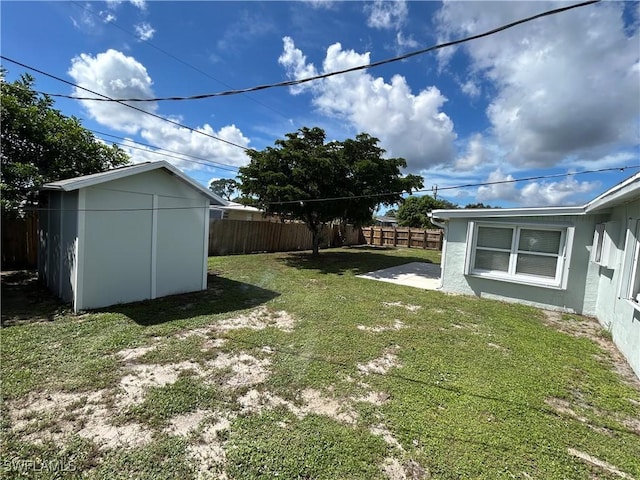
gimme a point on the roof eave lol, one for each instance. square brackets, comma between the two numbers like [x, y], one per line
[506, 212]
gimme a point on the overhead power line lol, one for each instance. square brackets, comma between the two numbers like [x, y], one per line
[122, 102]
[159, 151]
[456, 187]
[174, 57]
[290, 83]
[372, 195]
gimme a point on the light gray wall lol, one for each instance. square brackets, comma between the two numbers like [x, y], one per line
[141, 253]
[615, 313]
[68, 244]
[580, 295]
[117, 248]
[57, 233]
[180, 247]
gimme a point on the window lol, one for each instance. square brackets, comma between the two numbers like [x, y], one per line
[630, 286]
[529, 254]
[604, 250]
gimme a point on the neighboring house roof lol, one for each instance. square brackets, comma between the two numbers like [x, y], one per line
[240, 207]
[627, 190]
[387, 219]
[76, 183]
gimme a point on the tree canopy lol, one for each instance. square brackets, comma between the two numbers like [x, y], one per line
[306, 179]
[414, 211]
[224, 187]
[40, 145]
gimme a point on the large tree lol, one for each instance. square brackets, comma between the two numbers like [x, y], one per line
[224, 187]
[40, 145]
[414, 211]
[306, 179]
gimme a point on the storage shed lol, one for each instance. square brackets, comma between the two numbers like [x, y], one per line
[128, 234]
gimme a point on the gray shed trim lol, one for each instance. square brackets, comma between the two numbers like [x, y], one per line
[97, 178]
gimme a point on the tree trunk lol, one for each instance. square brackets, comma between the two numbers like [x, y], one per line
[315, 243]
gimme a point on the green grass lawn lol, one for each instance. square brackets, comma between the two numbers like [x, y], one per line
[291, 367]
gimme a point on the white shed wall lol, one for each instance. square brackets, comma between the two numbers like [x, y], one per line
[181, 244]
[117, 248]
[148, 242]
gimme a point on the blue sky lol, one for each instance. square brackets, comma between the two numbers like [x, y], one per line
[559, 94]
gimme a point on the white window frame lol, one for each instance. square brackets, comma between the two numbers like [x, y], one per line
[630, 284]
[560, 280]
[603, 249]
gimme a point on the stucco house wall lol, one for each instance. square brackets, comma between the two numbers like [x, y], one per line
[580, 295]
[615, 312]
[599, 288]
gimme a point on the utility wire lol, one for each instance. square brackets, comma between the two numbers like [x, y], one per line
[153, 152]
[122, 102]
[159, 150]
[480, 184]
[177, 59]
[290, 83]
[372, 195]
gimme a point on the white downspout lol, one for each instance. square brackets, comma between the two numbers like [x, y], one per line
[444, 246]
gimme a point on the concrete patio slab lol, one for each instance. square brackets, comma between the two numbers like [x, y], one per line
[415, 274]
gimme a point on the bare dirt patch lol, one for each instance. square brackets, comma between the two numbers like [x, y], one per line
[246, 370]
[409, 470]
[132, 354]
[564, 407]
[381, 365]
[596, 462]
[186, 423]
[312, 402]
[411, 308]
[258, 319]
[397, 325]
[71, 413]
[134, 385]
[382, 431]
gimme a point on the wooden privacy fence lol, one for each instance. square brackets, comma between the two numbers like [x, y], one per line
[403, 237]
[19, 242]
[239, 236]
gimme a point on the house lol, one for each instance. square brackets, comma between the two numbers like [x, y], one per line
[128, 234]
[581, 259]
[236, 211]
[386, 221]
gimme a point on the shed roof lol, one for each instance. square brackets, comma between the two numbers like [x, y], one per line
[623, 192]
[84, 181]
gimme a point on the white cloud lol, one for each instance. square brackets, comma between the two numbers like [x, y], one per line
[295, 63]
[119, 76]
[471, 88]
[567, 85]
[107, 17]
[409, 125]
[406, 42]
[476, 154]
[144, 31]
[320, 4]
[385, 14]
[141, 4]
[536, 193]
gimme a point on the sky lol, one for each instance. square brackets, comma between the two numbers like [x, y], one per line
[557, 95]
